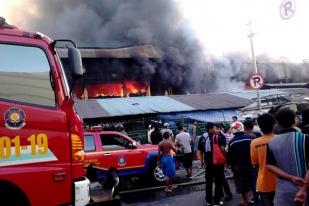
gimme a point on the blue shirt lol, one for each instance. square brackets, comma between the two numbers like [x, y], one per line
[239, 150]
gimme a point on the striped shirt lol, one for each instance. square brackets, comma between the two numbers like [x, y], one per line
[289, 151]
[239, 150]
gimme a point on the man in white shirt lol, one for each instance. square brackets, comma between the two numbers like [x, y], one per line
[183, 140]
[151, 128]
[167, 129]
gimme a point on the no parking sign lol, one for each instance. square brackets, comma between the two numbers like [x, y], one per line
[257, 81]
[287, 9]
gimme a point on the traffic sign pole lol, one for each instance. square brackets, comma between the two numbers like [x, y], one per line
[257, 82]
[254, 66]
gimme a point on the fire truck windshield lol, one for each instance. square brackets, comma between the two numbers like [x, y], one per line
[25, 75]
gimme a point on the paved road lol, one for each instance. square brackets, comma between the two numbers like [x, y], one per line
[185, 195]
[189, 192]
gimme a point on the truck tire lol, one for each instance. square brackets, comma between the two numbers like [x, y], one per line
[10, 195]
[156, 173]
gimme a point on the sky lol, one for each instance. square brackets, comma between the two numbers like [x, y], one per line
[221, 26]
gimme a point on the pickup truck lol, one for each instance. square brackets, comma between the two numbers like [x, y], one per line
[107, 149]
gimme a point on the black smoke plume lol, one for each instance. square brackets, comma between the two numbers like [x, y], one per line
[117, 23]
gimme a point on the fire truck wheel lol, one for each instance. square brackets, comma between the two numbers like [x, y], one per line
[11, 195]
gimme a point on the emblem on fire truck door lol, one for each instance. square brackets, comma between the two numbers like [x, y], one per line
[15, 118]
[122, 161]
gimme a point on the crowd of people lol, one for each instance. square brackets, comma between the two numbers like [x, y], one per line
[268, 159]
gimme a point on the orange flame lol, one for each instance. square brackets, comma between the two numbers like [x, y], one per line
[128, 88]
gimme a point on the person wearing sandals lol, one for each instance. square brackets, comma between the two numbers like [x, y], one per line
[166, 160]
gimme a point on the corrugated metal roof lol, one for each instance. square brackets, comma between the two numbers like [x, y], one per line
[263, 93]
[304, 91]
[142, 105]
[212, 116]
[111, 107]
[90, 108]
[212, 101]
[100, 108]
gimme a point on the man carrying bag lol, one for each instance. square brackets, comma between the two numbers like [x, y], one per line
[211, 148]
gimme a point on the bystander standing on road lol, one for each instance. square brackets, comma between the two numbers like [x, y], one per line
[120, 128]
[234, 119]
[150, 130]
[213, 173]
[166, 128]
[228, 133]
[298, 121]
[305, 121]
[287, 157]
[249, 130]
[256, 128]
[156, 135]
[183, 141]
[192, 131]
[166, 160]
[240, 161]
[225, 184]
[266, 181]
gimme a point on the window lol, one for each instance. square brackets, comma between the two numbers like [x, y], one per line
[25, 75]
[89, 143]
[114, 142]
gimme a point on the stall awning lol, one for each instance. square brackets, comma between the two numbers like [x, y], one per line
[212, 116]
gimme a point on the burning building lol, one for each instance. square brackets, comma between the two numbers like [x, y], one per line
[116, 72]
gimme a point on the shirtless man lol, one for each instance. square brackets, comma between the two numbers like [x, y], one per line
[166, 160]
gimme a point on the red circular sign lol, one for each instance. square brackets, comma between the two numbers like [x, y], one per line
[257, 81]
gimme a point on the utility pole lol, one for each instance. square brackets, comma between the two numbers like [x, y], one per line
[254, 64]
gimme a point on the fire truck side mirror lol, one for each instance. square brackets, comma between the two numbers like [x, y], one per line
[75, 62]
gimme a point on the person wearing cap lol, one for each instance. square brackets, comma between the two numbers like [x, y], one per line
[240, 161]
[167, 129]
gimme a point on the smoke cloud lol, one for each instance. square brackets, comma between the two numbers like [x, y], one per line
[117, 23]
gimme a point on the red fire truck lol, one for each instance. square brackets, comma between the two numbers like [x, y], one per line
[41, 136]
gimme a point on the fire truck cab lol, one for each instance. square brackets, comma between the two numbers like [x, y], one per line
[41, 135]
